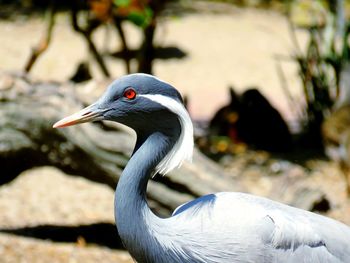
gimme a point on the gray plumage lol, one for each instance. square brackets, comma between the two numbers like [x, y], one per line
[217, 228]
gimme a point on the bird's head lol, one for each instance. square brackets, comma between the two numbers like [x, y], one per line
[145, 104]
[136, 100]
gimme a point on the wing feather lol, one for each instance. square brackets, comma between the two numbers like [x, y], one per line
[236, 227]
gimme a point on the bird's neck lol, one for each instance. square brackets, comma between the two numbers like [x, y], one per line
[134, 219]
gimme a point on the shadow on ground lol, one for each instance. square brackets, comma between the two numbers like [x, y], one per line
[102, 234]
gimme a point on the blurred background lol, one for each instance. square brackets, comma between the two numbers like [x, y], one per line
[266, 82]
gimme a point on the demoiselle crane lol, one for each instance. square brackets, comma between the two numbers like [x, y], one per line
[221, 228]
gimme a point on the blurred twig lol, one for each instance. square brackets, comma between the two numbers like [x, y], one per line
[86, 32]
[125, 49]
[45, 41]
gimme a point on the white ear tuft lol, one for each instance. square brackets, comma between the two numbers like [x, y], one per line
[183, 148]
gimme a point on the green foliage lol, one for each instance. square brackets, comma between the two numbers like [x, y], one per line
[122, 3]
[141, 15]
[141, 18]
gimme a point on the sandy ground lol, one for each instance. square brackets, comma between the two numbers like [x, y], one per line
[15, 249]
[29, 200]
[228, 47]
[46, 196]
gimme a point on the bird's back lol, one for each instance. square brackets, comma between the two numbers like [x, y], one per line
[237, 227]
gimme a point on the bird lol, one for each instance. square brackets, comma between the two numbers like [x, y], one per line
[224, 227]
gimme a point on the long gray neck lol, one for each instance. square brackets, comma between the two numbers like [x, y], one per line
[134, 219]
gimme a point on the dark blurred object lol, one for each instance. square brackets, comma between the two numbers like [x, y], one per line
[261, 125]
[82, 74]
[224, 122]
[313, 200]
[252, 120]
[159, 53]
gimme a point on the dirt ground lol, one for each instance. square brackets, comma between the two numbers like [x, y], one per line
[46, 196]
[225, 46]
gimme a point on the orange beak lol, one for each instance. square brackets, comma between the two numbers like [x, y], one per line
[88, 114]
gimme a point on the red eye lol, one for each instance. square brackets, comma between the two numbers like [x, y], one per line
[129, 94]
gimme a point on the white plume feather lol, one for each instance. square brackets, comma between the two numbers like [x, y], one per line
[183, 148]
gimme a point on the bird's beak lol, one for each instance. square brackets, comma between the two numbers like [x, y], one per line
[88, 114]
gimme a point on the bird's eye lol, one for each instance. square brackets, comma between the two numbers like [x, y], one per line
[129, 94]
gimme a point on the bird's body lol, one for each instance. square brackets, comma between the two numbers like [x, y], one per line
[256, 229]
[223, 227]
